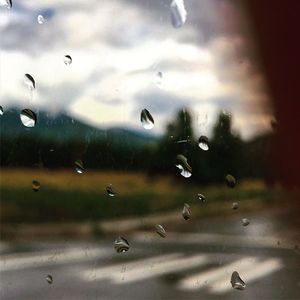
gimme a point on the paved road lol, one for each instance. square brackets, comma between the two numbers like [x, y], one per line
[195, 264]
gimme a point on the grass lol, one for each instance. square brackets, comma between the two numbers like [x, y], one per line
[67, 196]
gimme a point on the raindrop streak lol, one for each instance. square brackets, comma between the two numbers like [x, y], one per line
[230, 181]
[67, 60]
[7, 4]
[1, 111]
[147, 119]
[40, 19]
[36, 185]
[49, 279]
[201, 197]
[158, 80]
[28, 118]
[121, 245]
[79, 166]
[186, 214]
[178, 13]
[245, 222]
[203, 143]
[160, 230]
[110, 191]
[236, 281]
[183, 166]
[235, 205]
[29, 81]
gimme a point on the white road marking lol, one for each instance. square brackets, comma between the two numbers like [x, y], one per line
[36, 259]
[254, 272]
[205, 278]
[214, 239]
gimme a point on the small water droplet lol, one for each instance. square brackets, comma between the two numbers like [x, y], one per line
[29, 81]
[67, 60]
[235, 205]
[201, 197]
[28, 118]
[236, 281]
[245, 222]
[1, 111]
[49, 279]
[178, 13]
[186, 214]
[110, 191]
[160, 230]
[158, 79]
[79, 166]
[36, 185]
[230, 181]
[147, 119]
[40, 19]
[183, 166]
[6, 3]
[121, 245]
[203, 143]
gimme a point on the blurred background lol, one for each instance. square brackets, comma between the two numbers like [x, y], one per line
[117, 90]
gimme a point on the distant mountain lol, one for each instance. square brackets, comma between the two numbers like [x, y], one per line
[61, 128]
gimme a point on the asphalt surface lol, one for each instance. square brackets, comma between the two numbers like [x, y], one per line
[195, 263]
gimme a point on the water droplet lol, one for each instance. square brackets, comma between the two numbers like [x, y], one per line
[178, 13]
[49, 279]
[1, 111]
[6, 3]
[230, 181]
[236, 281]
[160, 230]
[186, 214]
[110, 191]
[29, 81]
[121, 245]
[147, 119]
[79, 166]
[235, 205]
[183, 166]
[67, 60]
[40, 19]
[201, 197]
[36, 185]
[203, 143]
[28, 117]
[245, 222]
[158, 79]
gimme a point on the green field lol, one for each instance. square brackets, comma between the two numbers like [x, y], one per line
[67, 196]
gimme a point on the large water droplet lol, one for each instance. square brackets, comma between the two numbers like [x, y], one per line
[160, 230]
[28, 117]
[178, 13]
[79, 166]
[40, 19]
[36, 185]
[203, 143]
[158, 79]
[245, 222]
[29, 81]
[186, 214]
[183, 166]
[49, 279]
[110, 191]
[6, 3]
[235, 205]
[1, 111]
[230, 181]
[121, 245]
[236, 281]
[201, 197]
[67, 60]
[146, 119]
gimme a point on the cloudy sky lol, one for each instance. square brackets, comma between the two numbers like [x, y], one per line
[118, 47]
